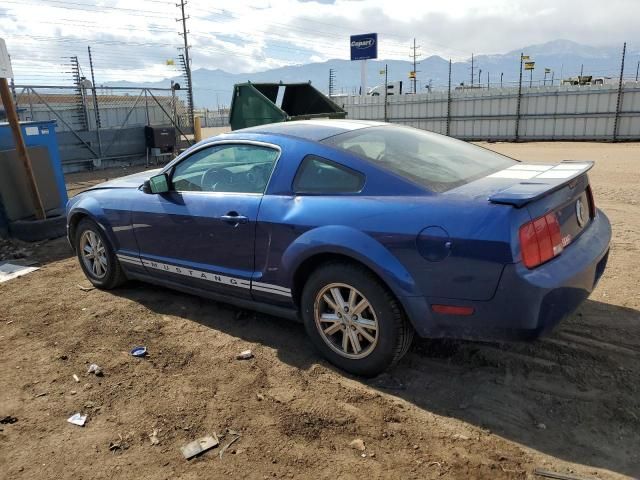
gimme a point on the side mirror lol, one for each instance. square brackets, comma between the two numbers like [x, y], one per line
[156, 184]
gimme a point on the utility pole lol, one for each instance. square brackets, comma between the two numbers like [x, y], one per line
[449, 102]
[386, 90]
[187, 59]
[581, 72]
[479, 77]
[619, 99]
[501, 74]
[472, 69]
[519, 100]
[414, 55]
[637, 70]
[488, 81]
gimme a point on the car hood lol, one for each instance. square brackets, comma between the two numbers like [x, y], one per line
[130, 181]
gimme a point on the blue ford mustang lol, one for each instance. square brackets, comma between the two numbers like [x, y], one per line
[366, 231]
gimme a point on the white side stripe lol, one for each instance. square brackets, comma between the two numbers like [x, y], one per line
[268, 290]
[127, 258]
[133, 262]
[207, 276]
[272, 287]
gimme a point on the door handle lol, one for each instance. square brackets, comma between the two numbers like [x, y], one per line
[233, 218]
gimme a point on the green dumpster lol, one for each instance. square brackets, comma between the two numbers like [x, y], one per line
[260, 103]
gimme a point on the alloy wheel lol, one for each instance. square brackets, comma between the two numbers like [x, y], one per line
[346, 320]
[94, 254]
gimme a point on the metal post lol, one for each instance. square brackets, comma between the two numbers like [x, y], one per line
[386, 91]
[519, 101]
[13, 90]
[96, 110]
[619, 99]
[501, 74]
[23, 155]
[449, 102]
[187, 60]
[637, 70]
[531, 78]
[146, 107]
[363, 77]
[488, 85]
[472, 70]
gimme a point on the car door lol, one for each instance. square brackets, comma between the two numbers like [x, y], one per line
[201, 233]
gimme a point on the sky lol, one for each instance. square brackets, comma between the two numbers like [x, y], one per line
[133, 40]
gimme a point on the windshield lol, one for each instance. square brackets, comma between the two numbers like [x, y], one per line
[434, 161]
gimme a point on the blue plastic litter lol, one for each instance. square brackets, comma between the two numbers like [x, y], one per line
[139, 351]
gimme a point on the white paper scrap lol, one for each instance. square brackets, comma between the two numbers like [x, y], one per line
[77, 419]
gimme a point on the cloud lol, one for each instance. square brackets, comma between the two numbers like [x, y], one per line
[133, 42]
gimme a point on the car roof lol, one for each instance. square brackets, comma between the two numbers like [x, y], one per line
[314, 130]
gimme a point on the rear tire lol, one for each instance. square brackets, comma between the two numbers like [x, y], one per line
[346, 300]
[97, 257]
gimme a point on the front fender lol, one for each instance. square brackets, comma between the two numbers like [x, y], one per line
[343, 240]
[85, 205]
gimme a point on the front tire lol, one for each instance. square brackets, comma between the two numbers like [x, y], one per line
[354, 320]
[97, 258]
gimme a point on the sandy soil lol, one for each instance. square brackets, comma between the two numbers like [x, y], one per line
[568, 403]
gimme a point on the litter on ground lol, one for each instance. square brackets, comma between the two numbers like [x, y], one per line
[199, 446]
[77, 419]
[9, 271]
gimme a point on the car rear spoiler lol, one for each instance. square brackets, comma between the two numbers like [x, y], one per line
[540, 180]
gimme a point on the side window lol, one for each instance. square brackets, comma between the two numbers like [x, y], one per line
[319, 175]
[225, 168]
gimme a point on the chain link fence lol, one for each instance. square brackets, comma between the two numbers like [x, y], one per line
[104, 123]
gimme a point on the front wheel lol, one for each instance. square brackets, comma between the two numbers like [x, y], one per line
[353, 319]
[96, 256]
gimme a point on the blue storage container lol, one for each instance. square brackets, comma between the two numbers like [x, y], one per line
[42, 145]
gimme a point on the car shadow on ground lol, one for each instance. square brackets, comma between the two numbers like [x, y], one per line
[573, 395]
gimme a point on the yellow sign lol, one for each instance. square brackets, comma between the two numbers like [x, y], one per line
[525, 57]
[529, 65]
[382, 72]
[170, 62]
[412, 74]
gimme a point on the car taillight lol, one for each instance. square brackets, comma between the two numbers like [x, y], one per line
[540, 240]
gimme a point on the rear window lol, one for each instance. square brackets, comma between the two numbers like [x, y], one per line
[434, 161]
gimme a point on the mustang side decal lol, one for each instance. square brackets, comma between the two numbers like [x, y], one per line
[208, 276]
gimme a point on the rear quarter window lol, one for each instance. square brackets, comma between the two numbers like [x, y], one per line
[317, 175]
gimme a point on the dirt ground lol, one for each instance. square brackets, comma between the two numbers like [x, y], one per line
[568, 403]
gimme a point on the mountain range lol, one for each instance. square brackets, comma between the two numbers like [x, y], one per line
[564, 58]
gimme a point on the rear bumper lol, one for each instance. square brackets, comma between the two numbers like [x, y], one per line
[527, 303]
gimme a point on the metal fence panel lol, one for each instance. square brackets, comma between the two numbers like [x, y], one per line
[103, 123]
[546, 113]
